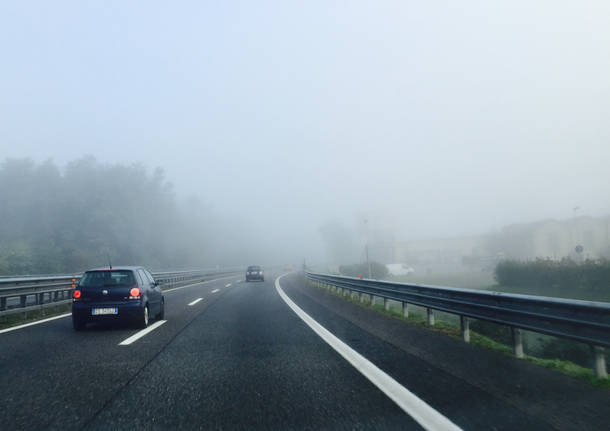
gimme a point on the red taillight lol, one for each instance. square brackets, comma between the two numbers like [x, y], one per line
[76, 294]
[134, 293]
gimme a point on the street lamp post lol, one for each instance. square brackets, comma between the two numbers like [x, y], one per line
[366, 249]
[368, 262]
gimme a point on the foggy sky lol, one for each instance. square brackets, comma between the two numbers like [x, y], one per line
[436, 118]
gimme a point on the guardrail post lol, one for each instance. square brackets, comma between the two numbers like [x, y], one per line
[599, 362]
[372, 300]
[2, 304]
[517, 335]
[22, 300]
[386, 304]
[465, 325]
[405, 309]
[430, 313]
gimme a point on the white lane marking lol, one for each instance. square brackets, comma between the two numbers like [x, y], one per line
[215, 290]
[140, 334]
[429, 418]
[239, 281]
[228, 285]
[196, 284]
[195, 301]
[38, 322]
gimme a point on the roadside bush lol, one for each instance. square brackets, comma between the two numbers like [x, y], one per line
[568, 350]
[563, 274]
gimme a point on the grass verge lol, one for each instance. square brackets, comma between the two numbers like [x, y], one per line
[33, 315]
[476, 339]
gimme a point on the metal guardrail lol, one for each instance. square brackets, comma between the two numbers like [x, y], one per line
[23, 294]
[584, 321]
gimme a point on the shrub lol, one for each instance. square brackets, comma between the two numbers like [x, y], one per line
[546, 273]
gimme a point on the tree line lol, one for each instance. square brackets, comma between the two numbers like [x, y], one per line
[66, 220]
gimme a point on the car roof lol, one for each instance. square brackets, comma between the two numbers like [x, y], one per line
[116, 268]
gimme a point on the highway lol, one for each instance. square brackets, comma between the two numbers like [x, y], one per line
[236, 355]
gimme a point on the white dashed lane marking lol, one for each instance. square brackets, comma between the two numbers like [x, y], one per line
[195, 301]
[143, 332]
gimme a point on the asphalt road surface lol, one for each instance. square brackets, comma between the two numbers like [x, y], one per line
[234, 355]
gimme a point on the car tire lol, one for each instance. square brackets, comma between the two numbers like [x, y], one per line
[263, 279]
[161, 314]
[143, 319]
[78, 324]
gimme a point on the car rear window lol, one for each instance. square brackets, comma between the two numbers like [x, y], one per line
[254, 268]
[107, 278]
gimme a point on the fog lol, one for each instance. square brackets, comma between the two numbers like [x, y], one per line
[286, 120]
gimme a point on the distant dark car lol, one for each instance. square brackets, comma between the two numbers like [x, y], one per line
[127, 294]
[254, 273]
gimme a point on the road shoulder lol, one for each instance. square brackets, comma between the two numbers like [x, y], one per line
[562, 401]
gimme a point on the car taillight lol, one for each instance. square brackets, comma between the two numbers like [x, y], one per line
[134, 293]
[76, 294]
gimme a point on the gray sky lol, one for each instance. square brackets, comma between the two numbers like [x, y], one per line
[438, 118]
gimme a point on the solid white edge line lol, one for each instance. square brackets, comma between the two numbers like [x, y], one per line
[195, 284]
[422, 413]
[141, 333]
[195, 301]
[38, 322]
[215, 290]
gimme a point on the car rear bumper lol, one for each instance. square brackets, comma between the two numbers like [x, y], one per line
[131, 310]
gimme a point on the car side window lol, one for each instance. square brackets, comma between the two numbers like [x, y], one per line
[141, 281]
[149, 276]
[143, 277]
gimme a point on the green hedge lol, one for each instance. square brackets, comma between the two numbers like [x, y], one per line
[563, 274]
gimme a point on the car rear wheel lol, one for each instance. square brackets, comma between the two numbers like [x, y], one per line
[161, 314]
[143, 321]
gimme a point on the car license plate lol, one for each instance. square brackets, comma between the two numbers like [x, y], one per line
[99, 311]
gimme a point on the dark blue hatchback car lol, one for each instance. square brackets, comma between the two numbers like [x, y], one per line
[126, 293]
